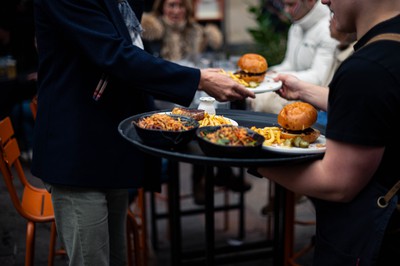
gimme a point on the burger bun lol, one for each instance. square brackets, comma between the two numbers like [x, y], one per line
[297, 116]
[253, 67]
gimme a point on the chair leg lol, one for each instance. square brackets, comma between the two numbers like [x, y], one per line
[129, 243]
[226, 212]
[153, 220]
[133, 235]
[143, 226]
[30, 243]
[52, 246]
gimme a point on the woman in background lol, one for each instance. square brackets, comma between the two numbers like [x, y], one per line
[174, 34]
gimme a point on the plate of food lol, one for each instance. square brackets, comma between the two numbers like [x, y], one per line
[316, 147]
[252, 74]
[166, 130]
[295, 134]
[229, 141]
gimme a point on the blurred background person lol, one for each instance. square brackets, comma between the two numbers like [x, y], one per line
[172, 32]
[309, 53]
[343, 50]
[278, 17]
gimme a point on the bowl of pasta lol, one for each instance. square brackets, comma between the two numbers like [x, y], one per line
[166, 130]
[229, 141]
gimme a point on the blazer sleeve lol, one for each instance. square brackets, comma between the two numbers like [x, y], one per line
[97, 32]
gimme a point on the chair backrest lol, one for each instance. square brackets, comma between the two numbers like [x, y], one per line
[27, 202]
[34, 105]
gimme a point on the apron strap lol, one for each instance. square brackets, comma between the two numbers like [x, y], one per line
[383, 37]
[383, 200]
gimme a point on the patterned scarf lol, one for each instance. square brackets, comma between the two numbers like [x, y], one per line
[132, 23]
[135, 30]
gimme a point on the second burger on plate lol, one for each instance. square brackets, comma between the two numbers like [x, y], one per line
[296, 120]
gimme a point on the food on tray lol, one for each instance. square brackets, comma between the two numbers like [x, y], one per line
[191, 112]
[230, 136]
[214, 120]
[164, 122]
[272, 135]
[296, 120]
[204, 118]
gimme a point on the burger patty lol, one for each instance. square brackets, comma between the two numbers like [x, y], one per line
[242, 73]
[305, 131]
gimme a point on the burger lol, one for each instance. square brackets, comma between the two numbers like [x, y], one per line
[296, 120]
[252, 68]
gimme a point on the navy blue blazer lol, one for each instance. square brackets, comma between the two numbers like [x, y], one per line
[76, 139]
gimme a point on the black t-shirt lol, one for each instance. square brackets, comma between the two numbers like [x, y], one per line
[364, 99]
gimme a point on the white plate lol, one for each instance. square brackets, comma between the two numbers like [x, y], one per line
[267, 85]
[313, 148]
[233, 122]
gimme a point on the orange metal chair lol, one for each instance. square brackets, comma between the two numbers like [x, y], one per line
[34, 204]
[34, 105]
[137, 232]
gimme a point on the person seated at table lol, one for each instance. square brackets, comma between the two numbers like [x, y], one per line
[343, 50]
[171, 31]
[309, 52]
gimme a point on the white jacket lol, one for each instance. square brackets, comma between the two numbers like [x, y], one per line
[309, 56]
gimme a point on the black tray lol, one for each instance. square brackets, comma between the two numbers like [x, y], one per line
[191, 153]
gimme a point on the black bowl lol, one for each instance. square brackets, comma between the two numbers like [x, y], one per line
[166, 138]
[225, 150]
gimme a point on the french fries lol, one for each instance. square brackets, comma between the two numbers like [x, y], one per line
[236, 78]
[272, 135]
[214, 120]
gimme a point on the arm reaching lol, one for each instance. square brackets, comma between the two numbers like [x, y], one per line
[296, 89]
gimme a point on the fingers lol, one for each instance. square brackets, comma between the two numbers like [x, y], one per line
[244, 92]
[222, 87]
[238, 91]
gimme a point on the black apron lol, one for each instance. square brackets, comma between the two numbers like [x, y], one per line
[351, 233]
